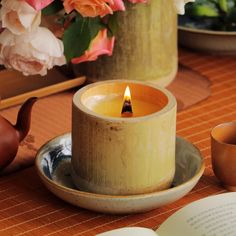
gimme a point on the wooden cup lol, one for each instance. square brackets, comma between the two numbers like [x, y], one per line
[223, 151]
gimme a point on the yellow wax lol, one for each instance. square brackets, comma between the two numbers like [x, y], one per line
[112, 106]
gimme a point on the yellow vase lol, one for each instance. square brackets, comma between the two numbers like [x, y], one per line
[145, 47]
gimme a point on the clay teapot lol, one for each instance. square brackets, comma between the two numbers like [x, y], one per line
[12, 135]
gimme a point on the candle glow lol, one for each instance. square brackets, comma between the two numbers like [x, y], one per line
[127, 95]
[110, 102]
[127, 106]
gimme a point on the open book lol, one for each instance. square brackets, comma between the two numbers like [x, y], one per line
[211, 216]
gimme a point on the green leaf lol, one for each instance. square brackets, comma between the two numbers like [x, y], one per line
[94, 26]
[200, 10]
[223, 5]
[213, 14]
[79, 35]
[112, 24]
[53, 8]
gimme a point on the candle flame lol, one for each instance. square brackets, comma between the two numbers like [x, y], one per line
[127, 95]
[127, 107]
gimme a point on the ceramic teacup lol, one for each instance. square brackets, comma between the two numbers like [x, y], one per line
[223, 150]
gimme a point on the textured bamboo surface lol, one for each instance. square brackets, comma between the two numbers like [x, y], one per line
[28, 208]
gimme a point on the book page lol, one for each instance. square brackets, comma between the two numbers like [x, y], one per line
[130, 231]
[211, 216]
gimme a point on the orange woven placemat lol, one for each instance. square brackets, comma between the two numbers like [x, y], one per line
[27, 208]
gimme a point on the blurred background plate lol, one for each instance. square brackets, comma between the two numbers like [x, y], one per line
[216, 42]
[196, 38]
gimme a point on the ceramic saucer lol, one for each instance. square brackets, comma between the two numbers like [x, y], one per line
[53, 162]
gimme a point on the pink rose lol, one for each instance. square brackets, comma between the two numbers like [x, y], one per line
[100, 45]
[118, 5]
[38, 4]
[93, 8]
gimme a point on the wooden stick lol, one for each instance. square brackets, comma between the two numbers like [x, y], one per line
[42, 92]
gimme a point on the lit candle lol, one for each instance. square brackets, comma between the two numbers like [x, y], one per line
[112, 154]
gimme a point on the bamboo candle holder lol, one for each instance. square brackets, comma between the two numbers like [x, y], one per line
[116, 155]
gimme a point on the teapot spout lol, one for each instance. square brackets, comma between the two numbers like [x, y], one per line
[24, 118]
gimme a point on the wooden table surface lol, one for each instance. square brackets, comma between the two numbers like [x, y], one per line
[28, 208]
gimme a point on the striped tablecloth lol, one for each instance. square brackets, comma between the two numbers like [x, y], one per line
[28, 208]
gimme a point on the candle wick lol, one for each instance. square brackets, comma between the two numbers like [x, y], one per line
[127, 109]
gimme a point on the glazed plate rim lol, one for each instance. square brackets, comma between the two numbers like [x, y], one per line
[39, 157]
[204, 31]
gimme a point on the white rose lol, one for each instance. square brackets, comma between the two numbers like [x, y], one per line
[31, 53]
[18, 16]
[179, 4]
